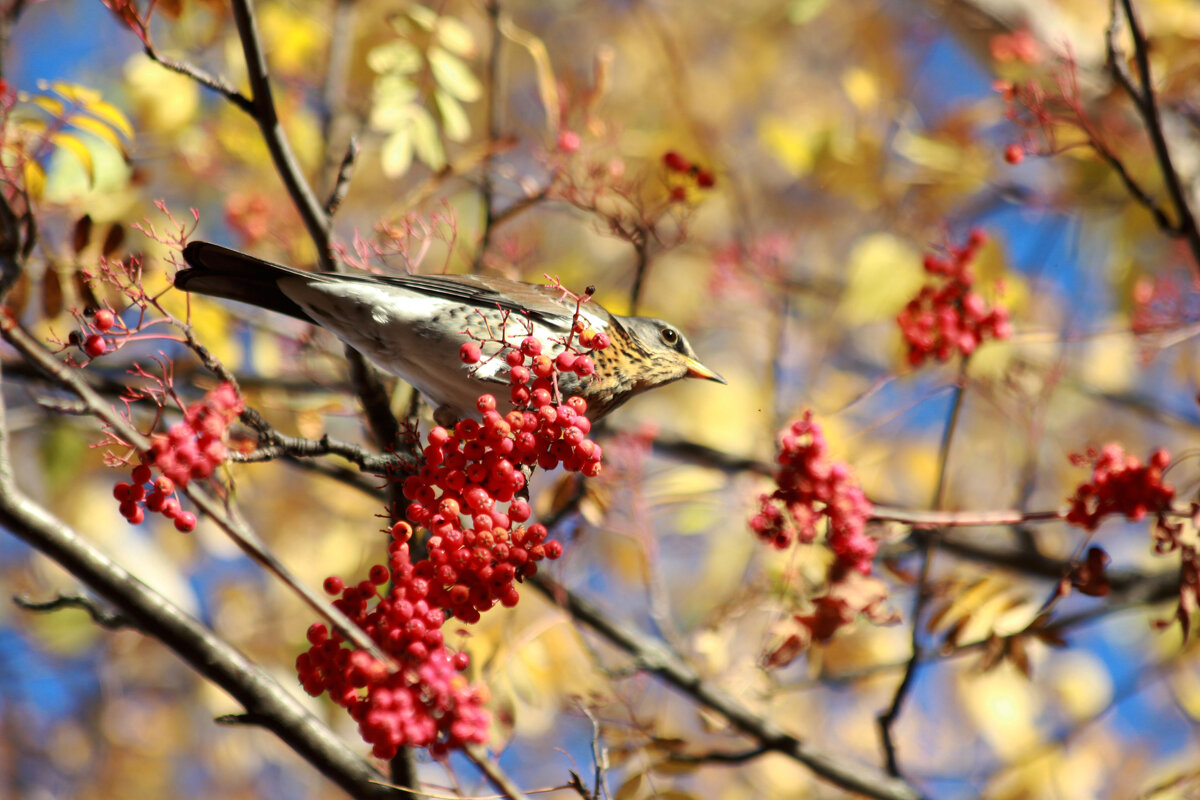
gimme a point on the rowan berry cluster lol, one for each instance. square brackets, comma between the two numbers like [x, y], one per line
[96, 344]
[1120, 484]
[948, 315]
[425, 702]
[466, 495]
[192, 449]
[676, 163]
[813, 487]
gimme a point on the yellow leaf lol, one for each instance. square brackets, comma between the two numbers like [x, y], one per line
[424, 17]
[76, 147]
[928, 152]
[295, 40]
[884, 273]
[396, 155]
[35, 179]
[398, 57]
[111, 116]
[454, 118]
[796, 143]
[98, 129]
[455, 37]
[425, 141]
[1003, 706]
[802, 11]
[51, 105]
[1082, 684]
[861, 87]
[75, 93]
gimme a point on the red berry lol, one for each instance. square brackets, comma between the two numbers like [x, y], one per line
[1014, 154]
[95, 345]
[470, 353]
[486, 402]
[104, 320]
[141, 474]
[531, 346]
[676, 162]
[185, 522]
[705, 179]
[334, 585]
[565, 361]
[568, 141]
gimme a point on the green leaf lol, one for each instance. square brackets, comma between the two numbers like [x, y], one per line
[454, 119]
[401, 58]
[423, 17]
[455, 37]
[426, 142]
[397, 153]
[453, 75]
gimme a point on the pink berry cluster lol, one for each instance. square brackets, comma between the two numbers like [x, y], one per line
[426, 702]
[813, 487]
[948, 315]
[1120, 484]
[191, 449]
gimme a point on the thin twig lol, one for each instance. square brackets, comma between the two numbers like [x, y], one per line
[105, 619]
[654, 656]
[927, 547]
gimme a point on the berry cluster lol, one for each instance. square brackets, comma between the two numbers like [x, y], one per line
[424, 703]
[812, 487]
[676, 163]
[466, 494]
[96, 344]
[191, 449]
[1120, 484]
[948, 315]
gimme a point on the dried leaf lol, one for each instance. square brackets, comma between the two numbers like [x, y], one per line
[82, 233]
[52, 293]
[113, 240]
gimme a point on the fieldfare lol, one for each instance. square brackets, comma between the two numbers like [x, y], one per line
[412, 326]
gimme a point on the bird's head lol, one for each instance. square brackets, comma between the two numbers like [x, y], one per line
[661, 354]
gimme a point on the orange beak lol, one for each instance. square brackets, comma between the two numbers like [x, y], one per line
[698, 370]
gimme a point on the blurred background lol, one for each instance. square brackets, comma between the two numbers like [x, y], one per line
[845, 141]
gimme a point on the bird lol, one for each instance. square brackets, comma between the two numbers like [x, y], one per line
[413, 326]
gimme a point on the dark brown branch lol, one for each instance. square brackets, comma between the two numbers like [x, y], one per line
[206, 79]
[654, 656]
[1146, 101]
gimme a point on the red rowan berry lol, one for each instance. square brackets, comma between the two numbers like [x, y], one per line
[104, 320]
[675, 162]
[95, 345]
[185, 522]
[470, 353]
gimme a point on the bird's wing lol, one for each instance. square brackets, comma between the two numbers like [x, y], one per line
[221, 272]
[542, 302]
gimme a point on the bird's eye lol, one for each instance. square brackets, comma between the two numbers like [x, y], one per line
[670, 336]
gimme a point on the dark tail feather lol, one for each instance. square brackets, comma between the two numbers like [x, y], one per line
[220, 272]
